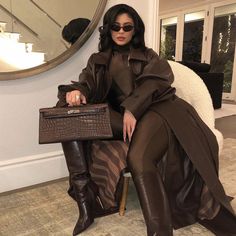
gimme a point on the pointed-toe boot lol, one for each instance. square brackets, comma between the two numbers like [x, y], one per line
[85, 201]
[79, 183]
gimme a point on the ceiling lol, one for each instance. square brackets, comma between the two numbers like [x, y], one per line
[170, 5]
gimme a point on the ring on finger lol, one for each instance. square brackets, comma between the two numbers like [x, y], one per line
[77, 97]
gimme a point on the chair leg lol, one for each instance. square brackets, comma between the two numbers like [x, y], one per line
[124, 196]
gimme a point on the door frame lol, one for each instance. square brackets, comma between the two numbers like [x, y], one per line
[207, 35]
[232, 95]
[180, 29]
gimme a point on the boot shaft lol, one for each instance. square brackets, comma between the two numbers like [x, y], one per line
[75, 157]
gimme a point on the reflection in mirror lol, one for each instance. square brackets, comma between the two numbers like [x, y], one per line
[31, 32]
[74, 29]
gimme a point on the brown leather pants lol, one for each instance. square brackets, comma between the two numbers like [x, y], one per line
[148, 146]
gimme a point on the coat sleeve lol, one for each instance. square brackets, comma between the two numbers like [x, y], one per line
[84, 85]
[153, 85]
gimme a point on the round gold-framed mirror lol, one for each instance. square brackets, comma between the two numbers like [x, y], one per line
[69, 50]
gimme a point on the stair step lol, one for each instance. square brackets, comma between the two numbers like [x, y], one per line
[17, 54]
[8, 45]
[23, 60]
[12, 36]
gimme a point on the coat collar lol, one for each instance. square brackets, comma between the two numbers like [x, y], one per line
[103, 58]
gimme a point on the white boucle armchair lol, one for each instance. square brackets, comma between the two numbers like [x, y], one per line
[190, 87]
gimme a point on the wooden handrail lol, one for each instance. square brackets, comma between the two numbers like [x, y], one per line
[18, 20]
[41, 9]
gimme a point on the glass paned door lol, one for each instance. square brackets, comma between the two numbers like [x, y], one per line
[223, 43]
[193, 36]
[168, 38]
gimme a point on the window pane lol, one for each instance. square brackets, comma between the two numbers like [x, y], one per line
[168, 38]
[223, 43]
[193, 34]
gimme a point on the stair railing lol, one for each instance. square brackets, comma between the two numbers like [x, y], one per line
[18, 20]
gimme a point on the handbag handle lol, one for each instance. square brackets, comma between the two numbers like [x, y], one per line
[78, 111]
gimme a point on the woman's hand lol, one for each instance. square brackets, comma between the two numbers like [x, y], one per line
[75, 98]
[129, 123]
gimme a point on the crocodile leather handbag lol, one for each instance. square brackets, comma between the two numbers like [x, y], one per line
[85, 122]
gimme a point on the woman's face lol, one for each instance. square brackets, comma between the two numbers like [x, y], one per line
[122, 30]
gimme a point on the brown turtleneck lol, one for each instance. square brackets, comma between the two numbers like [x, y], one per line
[122, 77]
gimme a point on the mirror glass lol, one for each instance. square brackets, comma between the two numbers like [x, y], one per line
[31, 38]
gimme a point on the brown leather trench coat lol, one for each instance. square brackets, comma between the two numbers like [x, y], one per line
[153, 90]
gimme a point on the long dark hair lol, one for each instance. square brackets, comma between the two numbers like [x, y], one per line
[109, 19]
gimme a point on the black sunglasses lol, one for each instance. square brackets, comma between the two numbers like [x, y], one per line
[117, 28]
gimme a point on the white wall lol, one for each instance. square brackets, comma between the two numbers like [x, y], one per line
[23, 161]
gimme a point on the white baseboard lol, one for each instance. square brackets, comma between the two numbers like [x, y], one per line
[31, 170]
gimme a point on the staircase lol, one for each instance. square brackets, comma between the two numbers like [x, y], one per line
[15, 55]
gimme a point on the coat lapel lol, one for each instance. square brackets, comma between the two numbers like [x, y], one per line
[103, 58]
[137, 61]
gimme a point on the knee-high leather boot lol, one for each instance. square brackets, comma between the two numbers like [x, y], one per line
[98, 209]
[79, 180]
[154, 204]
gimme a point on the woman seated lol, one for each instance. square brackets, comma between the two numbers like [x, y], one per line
[172, 155]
